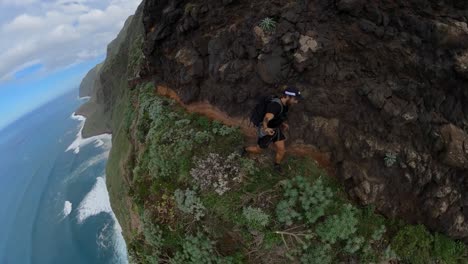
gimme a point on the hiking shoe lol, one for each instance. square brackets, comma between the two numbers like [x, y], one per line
[243, 152]
[277, 167]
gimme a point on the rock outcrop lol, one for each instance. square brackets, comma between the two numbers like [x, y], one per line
[379, 77]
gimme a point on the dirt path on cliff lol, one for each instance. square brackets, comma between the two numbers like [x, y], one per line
[214, 113]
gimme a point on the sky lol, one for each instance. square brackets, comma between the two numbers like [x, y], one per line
[46, 47]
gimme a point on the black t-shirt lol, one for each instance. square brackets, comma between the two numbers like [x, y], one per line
[279, 117]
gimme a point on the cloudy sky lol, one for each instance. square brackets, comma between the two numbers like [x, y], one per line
[47, 46]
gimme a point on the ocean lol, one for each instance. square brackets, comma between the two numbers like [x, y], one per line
[54, 204]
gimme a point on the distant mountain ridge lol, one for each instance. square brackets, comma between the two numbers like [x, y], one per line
[87, 84]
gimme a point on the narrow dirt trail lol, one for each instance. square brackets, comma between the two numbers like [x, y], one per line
[214, 113]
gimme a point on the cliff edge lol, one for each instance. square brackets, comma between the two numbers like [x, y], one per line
[384, 115]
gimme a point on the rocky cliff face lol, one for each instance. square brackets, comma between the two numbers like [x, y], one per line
[384, 81]
[109, 79]
[384, 84]
[104, 111]
[87, 84]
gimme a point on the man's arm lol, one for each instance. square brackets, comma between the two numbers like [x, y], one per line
[266, 119]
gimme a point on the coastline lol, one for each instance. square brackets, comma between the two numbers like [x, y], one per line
[97, 200]
[81, 142]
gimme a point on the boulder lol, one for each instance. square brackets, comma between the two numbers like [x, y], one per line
[308, 44]
[261, 35]
[378, 96]
[461, 64]
[194, 65]
[455, 145]
[186, 56]
[453, 35]
[269, 68]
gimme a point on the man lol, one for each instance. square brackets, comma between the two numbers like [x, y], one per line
[273, 124]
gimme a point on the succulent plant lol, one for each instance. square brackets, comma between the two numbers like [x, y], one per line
[268, 24]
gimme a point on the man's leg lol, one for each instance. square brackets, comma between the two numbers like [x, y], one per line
[262, 143]
[253, 149]
[280, 151]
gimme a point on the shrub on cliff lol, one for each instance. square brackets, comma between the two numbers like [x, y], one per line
[318, 254]
[448, 251]
[191, 157]
[198, 249]
[217, 173]
[413, 244]
[255, 217]
[303, 201]
[153, 238]
[339, 227]
[188, 202]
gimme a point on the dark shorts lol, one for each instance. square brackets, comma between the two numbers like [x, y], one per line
[264, 141]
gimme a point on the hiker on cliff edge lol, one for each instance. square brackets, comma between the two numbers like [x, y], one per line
[269, 119]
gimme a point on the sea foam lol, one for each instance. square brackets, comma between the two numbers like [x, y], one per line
[95, 202]
[67, 208]
[103, 140]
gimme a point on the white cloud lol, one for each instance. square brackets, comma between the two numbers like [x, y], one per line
[18, 2]
[60, 33]
[24, 22]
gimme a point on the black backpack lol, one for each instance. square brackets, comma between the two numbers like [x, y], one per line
[259, 111]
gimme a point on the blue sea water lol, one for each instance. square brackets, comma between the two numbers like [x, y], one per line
[54, 205]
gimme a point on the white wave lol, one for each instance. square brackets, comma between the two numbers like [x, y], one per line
[113, 238]
[78, 117]
[84, 98]
[104, 239]
[67, 208]
[95, 202]
[103, 140]
[120, 248]
[87, 164]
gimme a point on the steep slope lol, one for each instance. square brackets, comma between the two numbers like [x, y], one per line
[110, 83]
[105, 109]
[384, 111]
[383, 81]
[87, 84]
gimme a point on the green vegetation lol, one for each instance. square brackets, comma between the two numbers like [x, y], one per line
[217, 173]
[390, 159]
[303, 201]
[268, 24]
[255, 217]
[198, 249]
[117, 174]
[318, 254]
[413, 243]
[339, 227]
[448, 251]
[188, 202]
[135, 56]
[200, 202]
